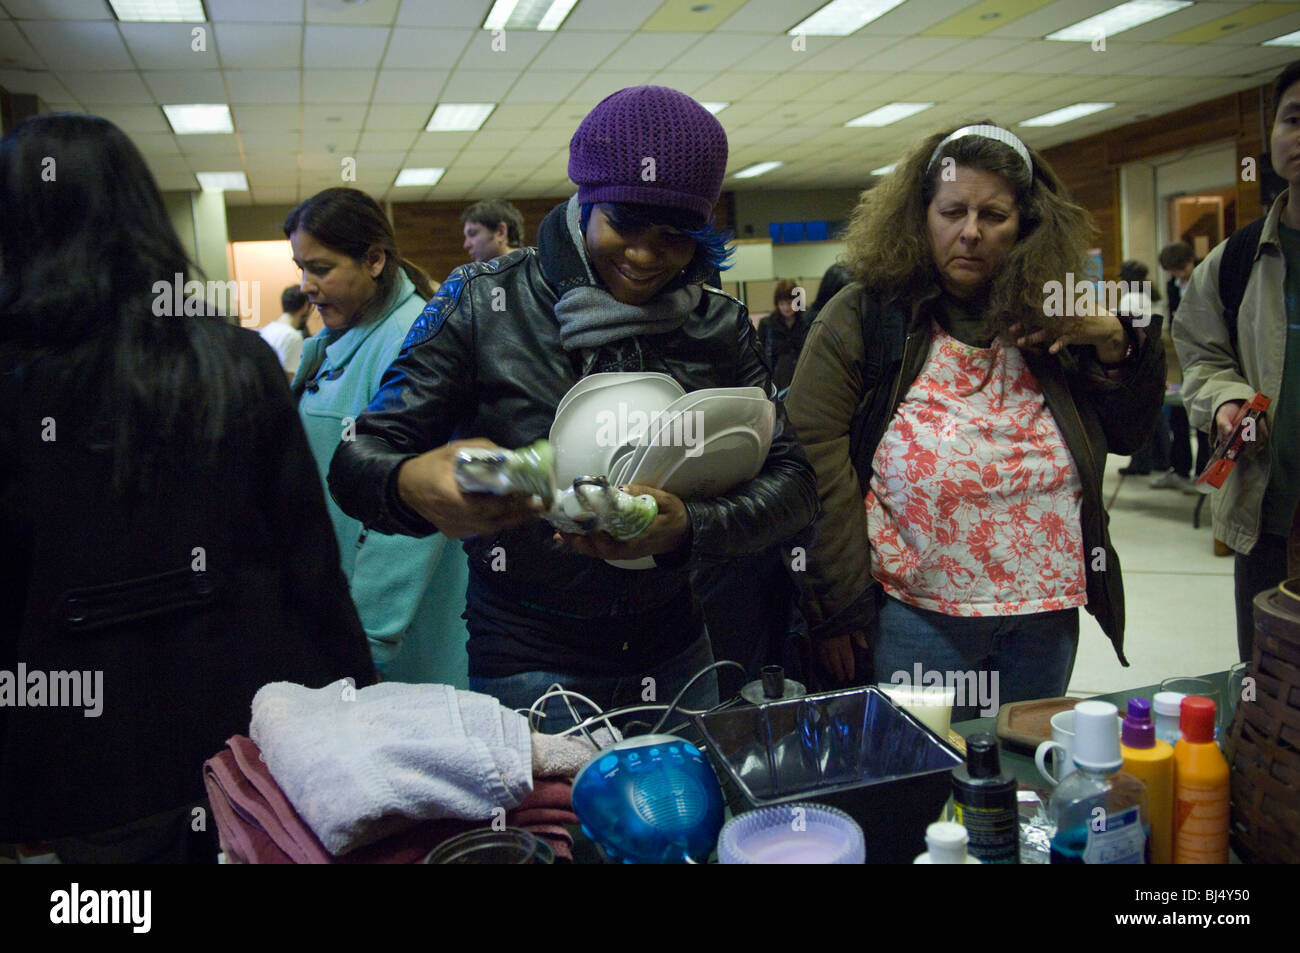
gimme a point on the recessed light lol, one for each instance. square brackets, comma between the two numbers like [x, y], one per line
[158, 11]
[197, 118]
[528, 14]
[888, 114]
[418, 177]
[1287, 39]
[702, 8]
[1068, 114]
[714, 108]
[459, 117]
[842, 17]
[1126, 16]
[757, 168]
[885, 169]
[222, 181]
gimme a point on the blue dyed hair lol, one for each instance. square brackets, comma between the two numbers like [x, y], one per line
[712, 249]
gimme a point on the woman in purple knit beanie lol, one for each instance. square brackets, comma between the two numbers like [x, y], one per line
[614, 284]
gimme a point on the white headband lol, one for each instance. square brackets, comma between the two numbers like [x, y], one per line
[996, 133]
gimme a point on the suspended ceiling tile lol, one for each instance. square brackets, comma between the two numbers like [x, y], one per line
[468, 14]
[337, 86]
[544, 86]
[78, 44]
[343, 47]
[266, 118]
[985, 17]
[720, 51]
[133, 119]
[427, 49]
[478, 86]
[282, 143]
[15, 51]
[57, 10]
[387, 116]
[507, 50]
[42, 84]
[155, 143]
[179, 86]
[389, 140]
[404, 86]
[569, 48]
[620, 17]
[372, 12]
[170, 46]
[263, 87]
[274, 11]
[106, 88]
[259, 46]
[770, 16]
[842, 53]
[599, 85]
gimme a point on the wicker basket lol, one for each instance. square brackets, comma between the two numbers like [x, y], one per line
[1263, 744]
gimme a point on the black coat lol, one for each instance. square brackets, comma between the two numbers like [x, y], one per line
[470, 369]
[781, 345]
[188, 601]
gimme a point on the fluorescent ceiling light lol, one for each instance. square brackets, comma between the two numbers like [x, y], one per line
[715, 108]
[1118, 19]
[842, 17]
[757, 169]
[459, 117]
[198, 118]
[158, 11]
[1068, 114]
[528, 14]
[418, 177]
[222, 181]
[1290, 39]
[890, 113]
[885, 169]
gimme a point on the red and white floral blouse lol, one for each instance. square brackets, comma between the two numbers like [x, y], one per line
[974, 505]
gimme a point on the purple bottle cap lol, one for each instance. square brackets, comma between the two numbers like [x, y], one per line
[1138, 731]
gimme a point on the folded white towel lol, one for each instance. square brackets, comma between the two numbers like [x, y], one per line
[361, 764]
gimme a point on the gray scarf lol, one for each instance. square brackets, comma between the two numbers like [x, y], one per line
[591, 317]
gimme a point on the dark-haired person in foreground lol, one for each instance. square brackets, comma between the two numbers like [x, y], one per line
[611, 286]
[1254, 511]
[166, 542]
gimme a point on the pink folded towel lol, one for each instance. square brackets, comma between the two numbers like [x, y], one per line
[256, 823]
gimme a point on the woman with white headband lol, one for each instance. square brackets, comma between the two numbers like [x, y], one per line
[958, 410]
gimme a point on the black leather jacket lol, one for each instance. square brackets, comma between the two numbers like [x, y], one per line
[471, 369]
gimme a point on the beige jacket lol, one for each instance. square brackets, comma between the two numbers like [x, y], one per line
[1213, 374]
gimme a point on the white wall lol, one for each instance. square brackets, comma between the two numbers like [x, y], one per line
[1214, 167]
[804, 259]
[753, 262]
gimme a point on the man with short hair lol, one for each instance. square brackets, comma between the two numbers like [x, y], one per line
[284, 334]
[1179, 261]
[1254, 510]
[492, 228]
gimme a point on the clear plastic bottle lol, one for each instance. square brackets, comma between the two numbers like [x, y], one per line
[1100, 812]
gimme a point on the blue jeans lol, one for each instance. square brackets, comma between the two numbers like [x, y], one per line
[995, 659]
[611, 691]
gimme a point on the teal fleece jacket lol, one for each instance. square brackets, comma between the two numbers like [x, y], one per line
[410, 593]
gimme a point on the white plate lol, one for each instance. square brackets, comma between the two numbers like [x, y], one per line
[596, 381]
[724, 461]
[601, 421]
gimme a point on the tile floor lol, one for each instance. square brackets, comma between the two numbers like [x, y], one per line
[1178, 594]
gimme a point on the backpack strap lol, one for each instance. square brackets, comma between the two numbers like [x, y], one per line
[1234, 272]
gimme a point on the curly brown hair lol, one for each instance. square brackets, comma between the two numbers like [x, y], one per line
[888, 245]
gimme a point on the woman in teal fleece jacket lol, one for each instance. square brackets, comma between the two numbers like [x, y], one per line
[410, 593]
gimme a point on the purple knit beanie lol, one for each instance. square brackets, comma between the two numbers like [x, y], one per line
[653, 146]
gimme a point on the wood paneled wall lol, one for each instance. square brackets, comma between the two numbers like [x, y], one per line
[431, 233]
[1090, 167]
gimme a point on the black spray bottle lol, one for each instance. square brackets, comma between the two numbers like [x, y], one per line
[984, 802]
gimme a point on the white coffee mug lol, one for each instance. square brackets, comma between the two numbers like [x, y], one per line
[1062, 744]
[1061, 747]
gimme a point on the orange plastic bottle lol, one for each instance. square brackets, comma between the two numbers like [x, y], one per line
[1200, 788]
